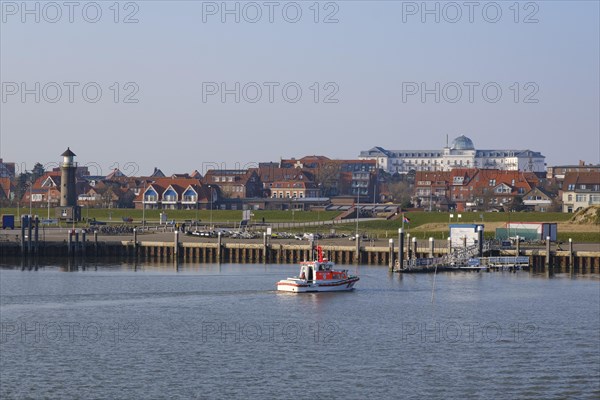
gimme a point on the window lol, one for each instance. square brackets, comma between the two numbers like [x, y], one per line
[150, 195]
[492, 182]
[581, 198]
[595, 198]
[570, 197]
[571, 187]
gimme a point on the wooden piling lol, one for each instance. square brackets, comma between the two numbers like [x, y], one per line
[391, 255]
[36, 235]
[76, 244]
[547, 260]
[431, 247]
[480, 240]
[400, 248]
[219, 247]
[69, 243]
[571, 254]
[264, 249]
[23, 250]
[176, 245]
[414, 241]
[29, 234]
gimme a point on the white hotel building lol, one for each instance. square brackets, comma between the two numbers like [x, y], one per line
[461, 154]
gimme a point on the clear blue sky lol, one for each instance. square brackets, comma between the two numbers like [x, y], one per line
[375, 50]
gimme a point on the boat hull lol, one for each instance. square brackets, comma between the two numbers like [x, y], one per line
[301, 286]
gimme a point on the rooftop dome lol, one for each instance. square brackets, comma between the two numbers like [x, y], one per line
[462, 143]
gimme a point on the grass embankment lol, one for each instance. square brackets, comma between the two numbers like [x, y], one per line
[422, 224]
[435, 221]
[116, 215]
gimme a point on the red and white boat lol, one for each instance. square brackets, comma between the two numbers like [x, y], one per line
[318, 276]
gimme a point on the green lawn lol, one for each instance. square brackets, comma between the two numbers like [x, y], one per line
[116, 215]
[421, 218]
[377, 228]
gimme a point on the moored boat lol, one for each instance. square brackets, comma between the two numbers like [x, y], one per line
[318, 276]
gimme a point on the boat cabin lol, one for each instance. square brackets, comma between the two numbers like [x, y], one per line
[321, 271]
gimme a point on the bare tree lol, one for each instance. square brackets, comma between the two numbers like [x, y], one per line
[401, 193]
[327, 177]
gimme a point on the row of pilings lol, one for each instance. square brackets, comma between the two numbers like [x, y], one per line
[83, 245]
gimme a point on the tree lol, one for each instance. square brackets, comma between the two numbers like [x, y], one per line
[327, 177]
[556, 205]
[37, 171]
[517, 204]
[22, 184]
[107, 198]
[126, 199]
[401, 193]
[487, 197]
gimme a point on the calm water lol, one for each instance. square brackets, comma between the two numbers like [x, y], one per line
[209, 331]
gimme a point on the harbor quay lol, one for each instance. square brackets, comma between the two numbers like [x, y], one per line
[179, 247]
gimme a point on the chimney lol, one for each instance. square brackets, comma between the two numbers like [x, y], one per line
[581, 163]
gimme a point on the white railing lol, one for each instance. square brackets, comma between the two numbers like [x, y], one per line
[459, 256]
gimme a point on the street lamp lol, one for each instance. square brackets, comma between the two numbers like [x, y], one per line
[357, 208]
[144, 205]
[197, 200]
[30, 195]
[211, 204]
[375, 187]
[48, 196]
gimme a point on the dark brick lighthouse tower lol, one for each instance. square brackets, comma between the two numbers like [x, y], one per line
[68, 209]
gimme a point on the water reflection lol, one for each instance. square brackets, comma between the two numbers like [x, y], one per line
[66, 264]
